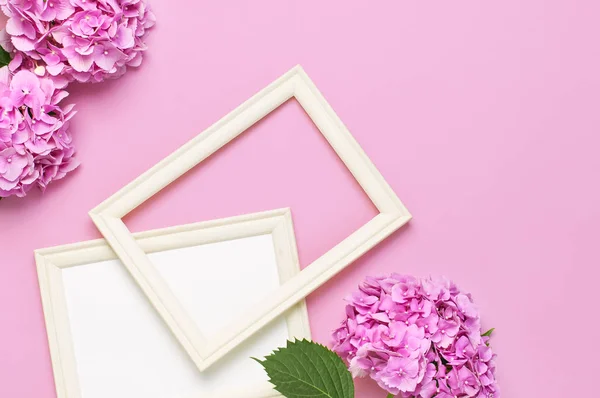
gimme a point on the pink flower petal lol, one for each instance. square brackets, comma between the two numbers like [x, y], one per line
[106, 59]
[23, 44]
[124, 38]
[18, 26]
[81, 63]
[54, 70]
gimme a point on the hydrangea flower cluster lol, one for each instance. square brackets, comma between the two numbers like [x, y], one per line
[53, 42]
[417, 338]
[35, 145]
[85, 40]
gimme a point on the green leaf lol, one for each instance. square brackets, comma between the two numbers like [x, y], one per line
[306, 369]
[4, 57]
[488, 333]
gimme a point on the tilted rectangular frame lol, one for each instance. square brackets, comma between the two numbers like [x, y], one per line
[294, 84]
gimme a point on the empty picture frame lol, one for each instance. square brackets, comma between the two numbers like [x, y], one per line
[294, 84]
[106, 339]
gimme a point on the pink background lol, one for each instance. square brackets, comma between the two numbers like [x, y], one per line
[482, 115]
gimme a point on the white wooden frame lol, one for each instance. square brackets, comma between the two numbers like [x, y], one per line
[294, 84]
[51, 261]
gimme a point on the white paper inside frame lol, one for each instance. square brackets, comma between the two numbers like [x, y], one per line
[123, 349]
[107, 340]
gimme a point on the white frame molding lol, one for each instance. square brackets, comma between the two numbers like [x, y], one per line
[51, 261]
[294, 84]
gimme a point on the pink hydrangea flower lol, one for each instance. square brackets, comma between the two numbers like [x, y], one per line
[84, 40]
[417, 338]
[35, 145]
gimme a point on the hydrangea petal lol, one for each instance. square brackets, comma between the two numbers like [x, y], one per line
[22, 43]
[19, 27]
[81, 63]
